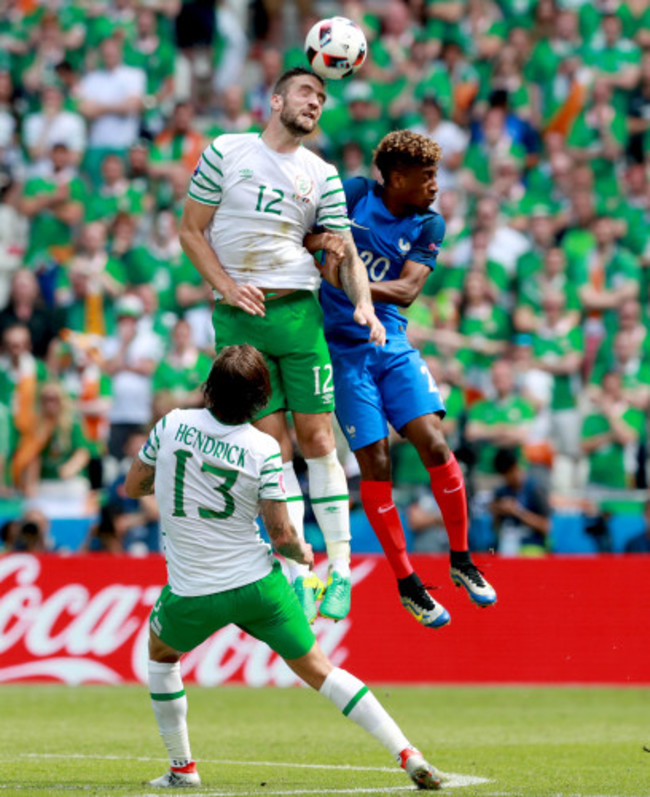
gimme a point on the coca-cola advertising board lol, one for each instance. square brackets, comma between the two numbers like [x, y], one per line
[84, 619]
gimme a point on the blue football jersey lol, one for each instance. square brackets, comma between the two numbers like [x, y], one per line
[385, 242]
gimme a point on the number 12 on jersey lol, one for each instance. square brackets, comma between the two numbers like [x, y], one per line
[265, 204]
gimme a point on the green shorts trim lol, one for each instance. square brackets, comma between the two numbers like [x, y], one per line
[267, 609]
[292, 340]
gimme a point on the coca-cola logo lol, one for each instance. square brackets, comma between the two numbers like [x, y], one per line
[76, 632]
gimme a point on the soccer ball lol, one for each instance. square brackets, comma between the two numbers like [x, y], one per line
[335, 47]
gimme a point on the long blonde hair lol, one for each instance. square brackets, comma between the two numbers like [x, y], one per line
[66, 409]
[33, 441]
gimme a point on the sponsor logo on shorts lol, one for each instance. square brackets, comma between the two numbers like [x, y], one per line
[351, 430]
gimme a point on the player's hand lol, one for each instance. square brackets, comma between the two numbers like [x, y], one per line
[364, 314]
[326, 242]
[247, 297]
[307, 555]
[329, 271]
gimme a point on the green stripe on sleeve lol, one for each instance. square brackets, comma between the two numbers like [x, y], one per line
[350, 706]
[207, 180]
[333, 177]
[270, 470]
[211, 165]
[333, 216]
[329, 193]
[203, 201]
[273, 456]
[216, 151]
[166, 695]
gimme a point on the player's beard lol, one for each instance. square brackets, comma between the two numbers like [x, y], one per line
[292, 123]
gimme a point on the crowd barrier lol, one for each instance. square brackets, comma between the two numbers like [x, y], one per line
[559, 620]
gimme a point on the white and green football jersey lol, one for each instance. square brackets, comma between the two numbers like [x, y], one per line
[265, 202]
[210, 478]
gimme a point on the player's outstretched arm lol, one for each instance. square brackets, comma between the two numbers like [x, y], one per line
[140, 479]
[196, 218]
[283, 535]
[354, 279]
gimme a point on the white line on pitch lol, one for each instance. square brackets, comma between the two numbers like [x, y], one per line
[452, 780]
[228, 762]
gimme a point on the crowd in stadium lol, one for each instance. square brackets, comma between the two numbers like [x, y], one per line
[534, 322]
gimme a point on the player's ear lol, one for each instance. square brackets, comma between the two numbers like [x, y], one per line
[396, 179]
[276, 102]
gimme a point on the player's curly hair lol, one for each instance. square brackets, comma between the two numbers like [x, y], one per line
[404, 148]
[238, 386]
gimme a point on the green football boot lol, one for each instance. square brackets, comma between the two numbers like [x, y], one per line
[336, 603]
[308, 589]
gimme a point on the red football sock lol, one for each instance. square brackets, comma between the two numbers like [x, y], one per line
[448, 488]
[377, 501]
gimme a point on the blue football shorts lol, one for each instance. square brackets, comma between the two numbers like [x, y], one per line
[376, 386]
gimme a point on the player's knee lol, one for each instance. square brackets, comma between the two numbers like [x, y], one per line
[437, 450]
[376, 469]
[318, 443]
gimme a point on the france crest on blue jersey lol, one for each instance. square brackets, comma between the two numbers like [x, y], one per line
[385, 242]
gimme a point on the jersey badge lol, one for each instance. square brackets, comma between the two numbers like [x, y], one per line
[434, 247]
[303, 186]
[245, 174]
[404, 246]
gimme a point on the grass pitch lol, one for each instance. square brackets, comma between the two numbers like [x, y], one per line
[563, 742]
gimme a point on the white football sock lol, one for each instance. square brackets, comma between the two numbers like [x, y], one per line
[296, 510]
[357, 702]
[328, 492]
[170, 709]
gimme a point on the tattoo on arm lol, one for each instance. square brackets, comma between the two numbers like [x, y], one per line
[353, 274]
[143, 477]
[281, 533]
